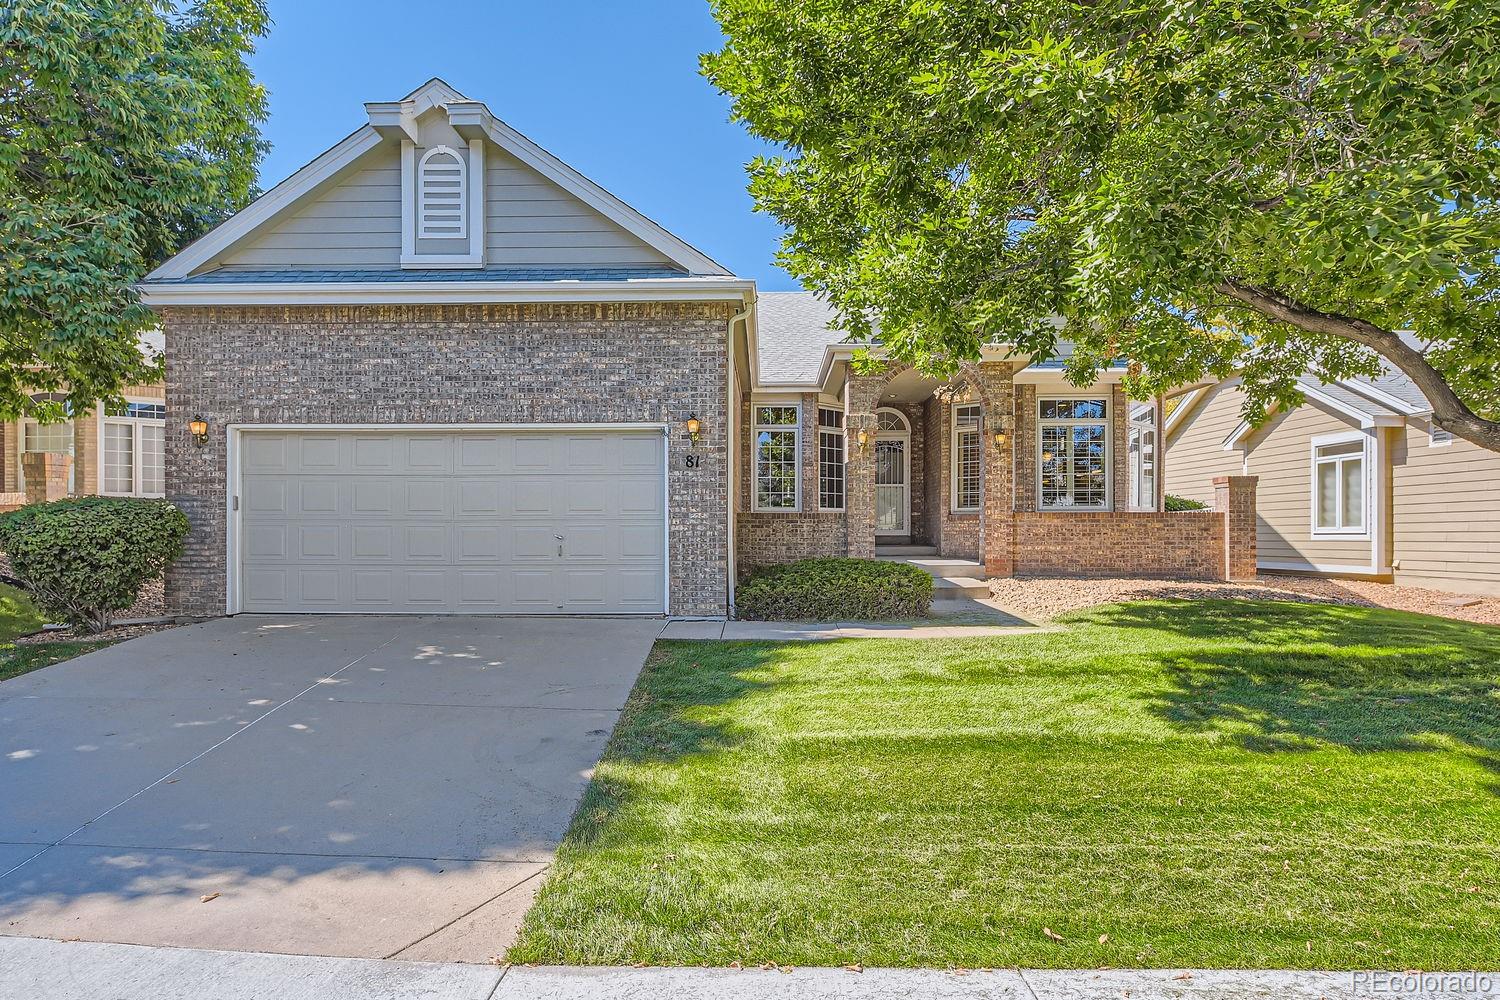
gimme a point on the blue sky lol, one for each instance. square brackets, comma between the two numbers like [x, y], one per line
[610, 87]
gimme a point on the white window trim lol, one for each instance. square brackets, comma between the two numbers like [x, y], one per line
[1134, 472]
[21, 426]
[1109, 450]
[1367, 456]
[135, 444]
[841, 434]
[904, 436]
[953, 490]
[755, 428]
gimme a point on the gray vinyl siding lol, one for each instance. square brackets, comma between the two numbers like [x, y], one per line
[1445, 513]
[354, 222]
[1281, 455]
[1195, 453]
[531, 221]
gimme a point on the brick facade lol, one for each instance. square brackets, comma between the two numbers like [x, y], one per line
[1186, 545]
[47, 474]
[468, 364]
[1010, 535]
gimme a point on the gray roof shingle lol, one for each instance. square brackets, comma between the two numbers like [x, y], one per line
[792, 334]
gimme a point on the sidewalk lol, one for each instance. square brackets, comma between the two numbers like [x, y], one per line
[37, 969]
[960, 619]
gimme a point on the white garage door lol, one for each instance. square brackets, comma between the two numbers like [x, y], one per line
[473, 522]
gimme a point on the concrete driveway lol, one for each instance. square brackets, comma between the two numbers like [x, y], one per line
[353, 786]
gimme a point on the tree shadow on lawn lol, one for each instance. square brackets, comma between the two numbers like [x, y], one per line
[673, 713]
[1284, 676]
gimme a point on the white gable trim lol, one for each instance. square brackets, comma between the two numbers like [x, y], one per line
[267, 206]
[472, 113]
[470, 119]
[1381, 396]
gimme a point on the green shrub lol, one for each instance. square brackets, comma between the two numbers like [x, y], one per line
[835, 590]
[1183, 503]
[85, 559]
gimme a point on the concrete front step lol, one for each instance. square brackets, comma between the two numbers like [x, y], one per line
[905, 550]
[940, 565]
[946, 588]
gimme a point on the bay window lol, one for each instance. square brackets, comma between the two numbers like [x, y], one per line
[778, 442]
[1073, 453]
[132, 451]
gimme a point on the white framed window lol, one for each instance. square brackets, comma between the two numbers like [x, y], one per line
[1340, 485]
[1073, 453]
[1141, 445]
[1437, 437]
[442, 195]
[56, 438]
[778, 444]
[132, 451]
[830, 458]
[968, 476]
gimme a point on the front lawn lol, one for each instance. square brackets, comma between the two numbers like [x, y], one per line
[18, 617]
[1163, 783]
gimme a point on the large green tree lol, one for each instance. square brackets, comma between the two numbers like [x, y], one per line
[127, 128]
[1203, 186]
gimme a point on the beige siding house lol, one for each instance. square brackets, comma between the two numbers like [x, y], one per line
[114, 452]
[440, 371]
[1354, 482]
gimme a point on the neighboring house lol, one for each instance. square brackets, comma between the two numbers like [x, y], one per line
[1355, 482]
[439, 370]
[115, 452]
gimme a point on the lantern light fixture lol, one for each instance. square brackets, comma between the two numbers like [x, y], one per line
[198, 428]
[694, 427]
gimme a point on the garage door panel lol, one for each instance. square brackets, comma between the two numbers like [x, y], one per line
[418, 521]
[425, 542]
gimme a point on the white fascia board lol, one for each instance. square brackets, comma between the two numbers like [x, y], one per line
[1366, 418]
[1180, 412]
[291, 293]
[1381, 396]
[1237, 435]
[682, 253]
[268, 205]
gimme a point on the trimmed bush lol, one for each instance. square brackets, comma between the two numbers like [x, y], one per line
[835, 590]
[86, 558]
[1183, 503]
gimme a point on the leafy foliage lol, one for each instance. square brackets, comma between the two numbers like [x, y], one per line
[127, 128]
[1177, 503]
[86, 558]
[1202, 186]
[835, 590]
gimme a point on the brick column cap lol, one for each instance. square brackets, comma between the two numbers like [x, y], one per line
[1236, 480]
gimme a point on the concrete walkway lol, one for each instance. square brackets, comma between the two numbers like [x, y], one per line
[55, 970]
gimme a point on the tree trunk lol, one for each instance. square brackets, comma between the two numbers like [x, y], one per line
[1448, 411]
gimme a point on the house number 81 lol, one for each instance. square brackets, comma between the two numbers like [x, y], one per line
[691, 461]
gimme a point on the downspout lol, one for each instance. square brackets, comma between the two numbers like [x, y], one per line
[732, 450]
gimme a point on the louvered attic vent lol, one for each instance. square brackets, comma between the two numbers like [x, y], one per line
[442, 194]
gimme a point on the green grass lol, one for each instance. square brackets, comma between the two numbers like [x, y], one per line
[1209, 783]
[18, 616]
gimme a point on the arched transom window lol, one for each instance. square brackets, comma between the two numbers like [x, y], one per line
[442, 195]
[892, 422]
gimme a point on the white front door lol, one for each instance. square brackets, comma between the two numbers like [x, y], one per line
[892, 492]
[406, 519]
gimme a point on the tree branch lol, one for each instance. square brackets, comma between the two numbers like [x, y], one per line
[1448, 411]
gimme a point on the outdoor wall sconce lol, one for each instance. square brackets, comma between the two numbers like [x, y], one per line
[1000, 430]
[864, 440]
[198, 428]
[694, 428]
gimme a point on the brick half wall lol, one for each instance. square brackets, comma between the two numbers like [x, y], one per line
[1186, 545]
